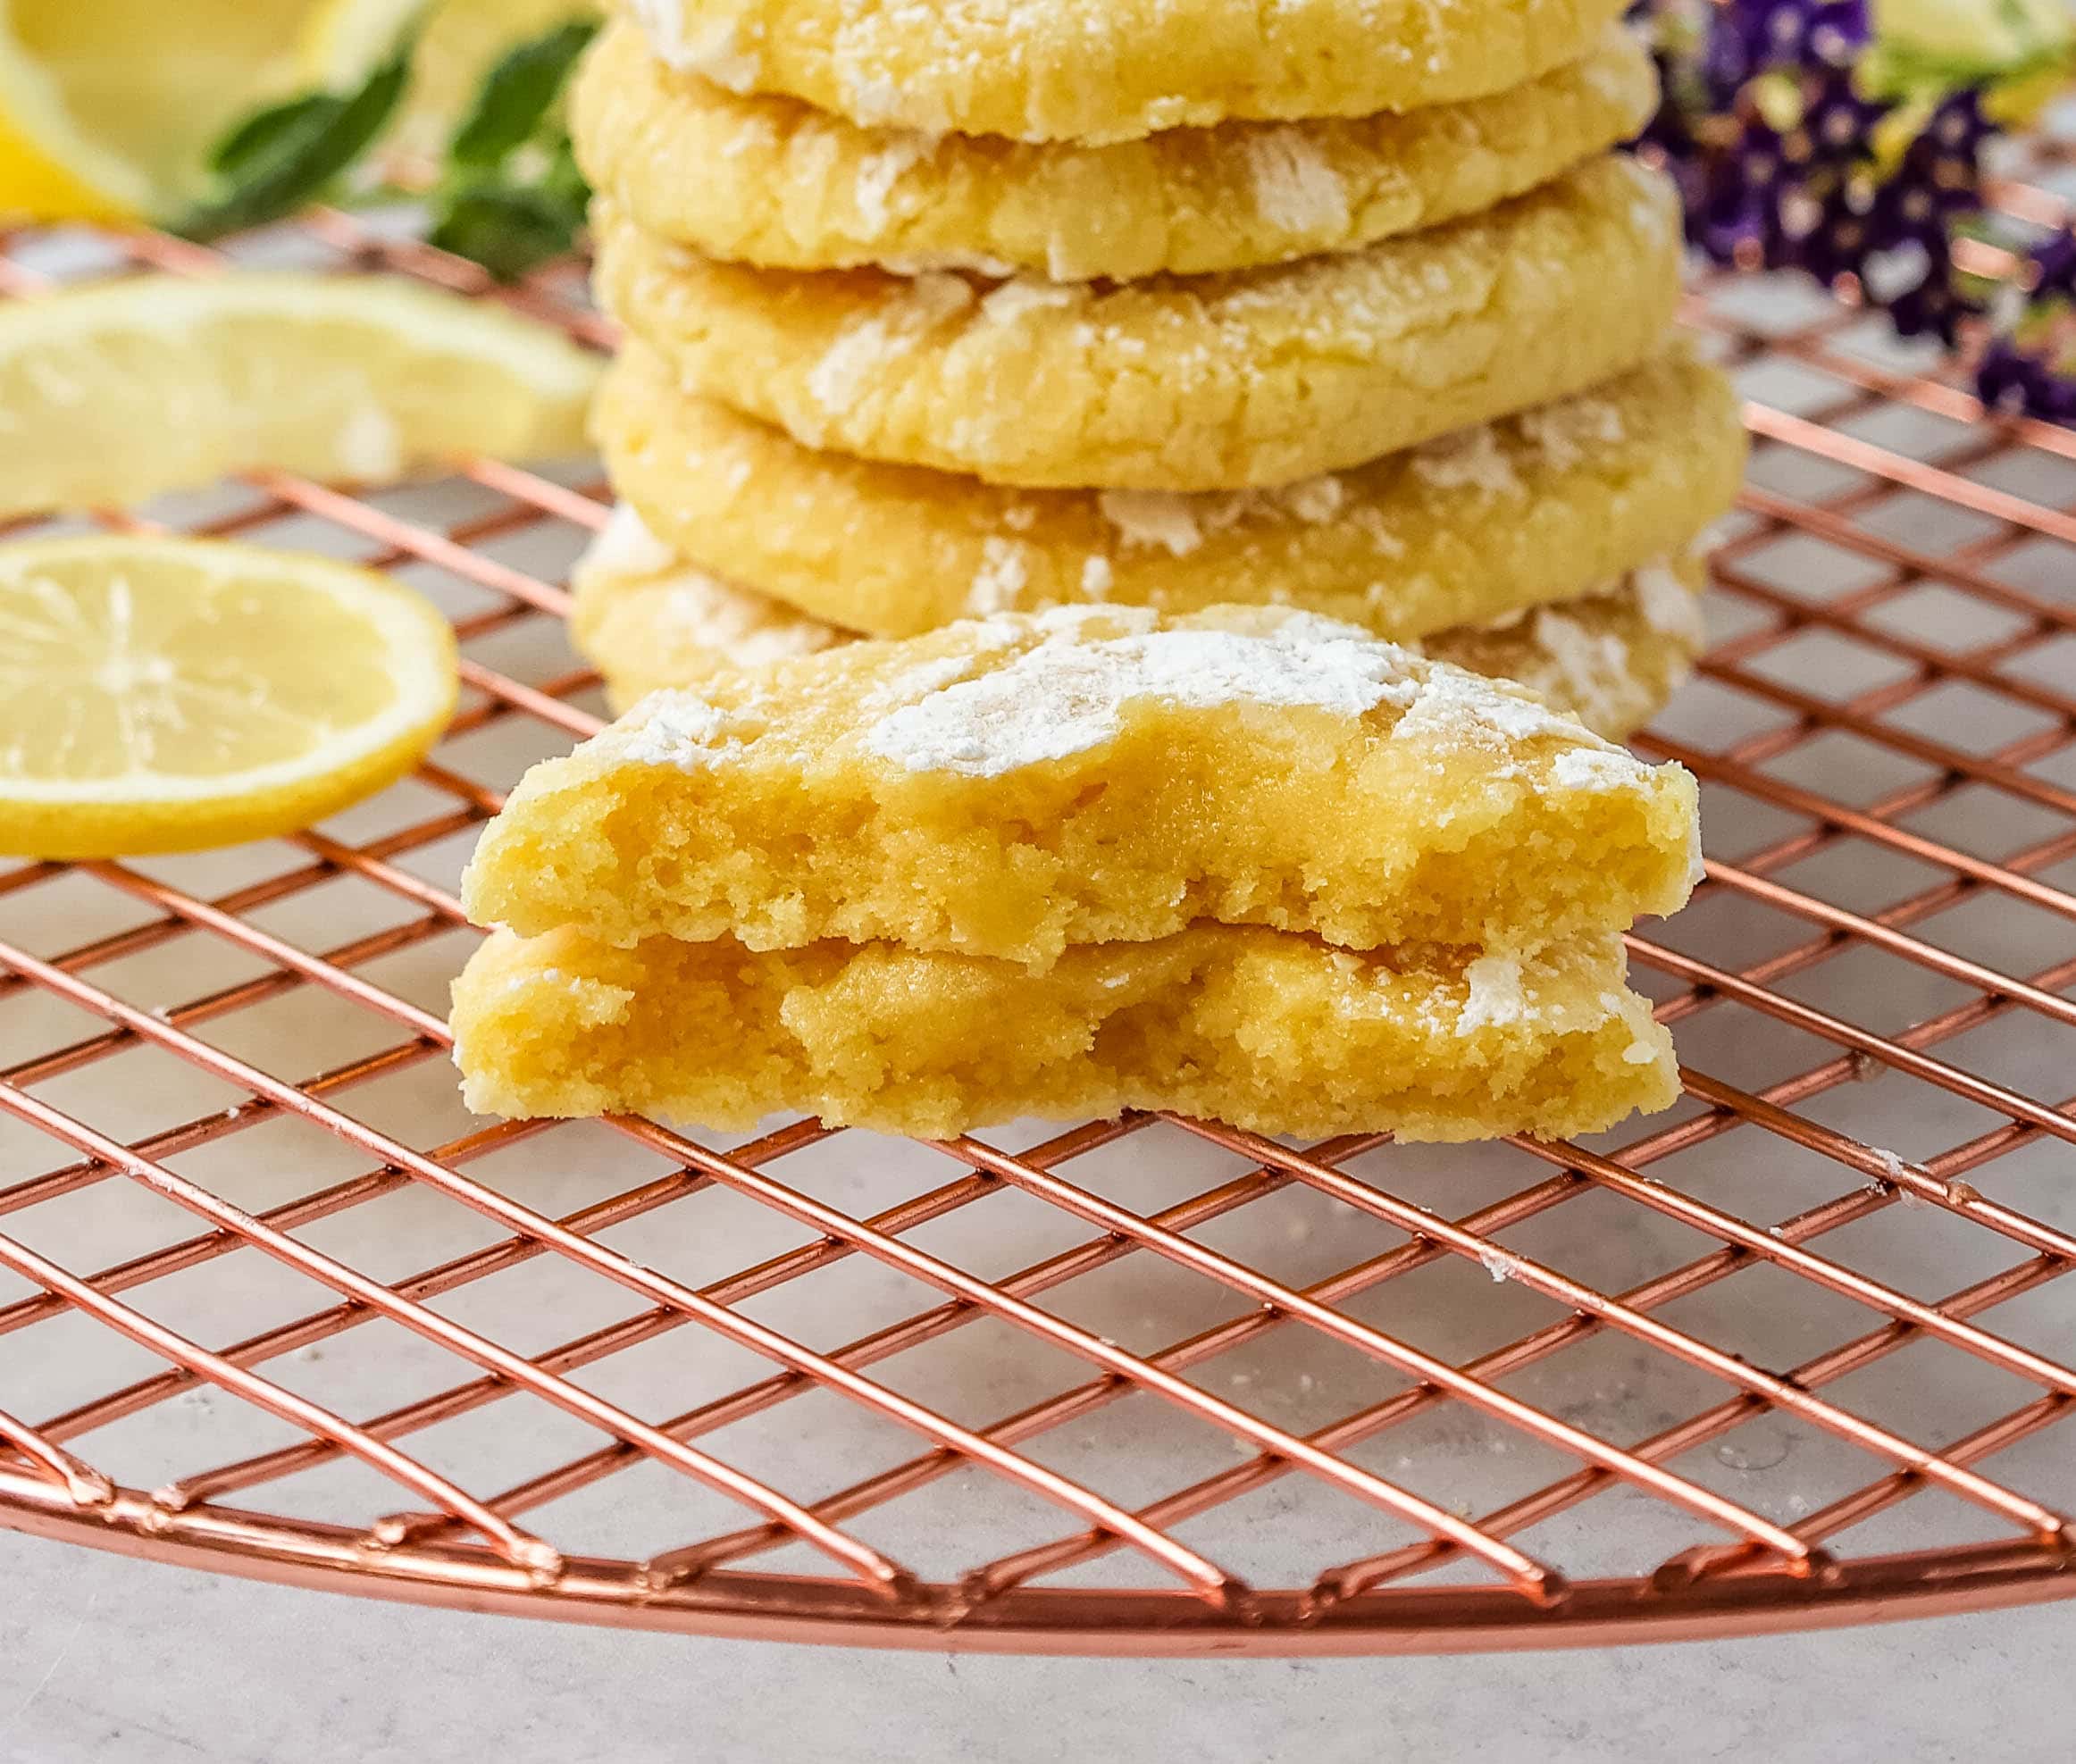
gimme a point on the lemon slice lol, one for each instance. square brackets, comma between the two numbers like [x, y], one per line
[106, 106]
[119, 391]
[459, 41]
[167, 694]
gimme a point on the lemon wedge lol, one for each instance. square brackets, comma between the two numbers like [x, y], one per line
[167, 694]
[459, 41]
[107, 106]
[119, 391]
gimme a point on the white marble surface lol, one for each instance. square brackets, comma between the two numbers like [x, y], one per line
[120, 1662]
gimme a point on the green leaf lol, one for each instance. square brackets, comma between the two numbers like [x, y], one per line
[267, 133]
[508, 229]
[518, 96]
[511, 195]
[275, 162]
[564, 178]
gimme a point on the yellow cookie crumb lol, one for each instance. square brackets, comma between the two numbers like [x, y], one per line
[772, 181]
[1542, 505]
[1114, 69]
[1208, 382]
[1016, 785]
[649, 620]
[1259, 1028]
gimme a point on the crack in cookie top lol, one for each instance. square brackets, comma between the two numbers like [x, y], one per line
[1097, 70]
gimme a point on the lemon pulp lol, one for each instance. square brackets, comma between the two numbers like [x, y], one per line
[165, 694]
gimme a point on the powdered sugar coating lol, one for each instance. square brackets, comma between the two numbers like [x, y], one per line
[1574, 430]
[1470, 459]
[624, 547]
[711, 47]
[1669, 606]
[1020, 295]
[636, 596]
[1000, 578]
[1067, 696]
[677, 729]
[1495, 995]
[876, 178]
[1604, 768]
[1178, 524]
[1296, 189]
[1163, 518]
[861, 352]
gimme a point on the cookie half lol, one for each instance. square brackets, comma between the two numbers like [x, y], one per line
[1462, 530]
[1115, 70]
[772, 181]
[1203, 383]
[1011, 786]
[1263, 1029]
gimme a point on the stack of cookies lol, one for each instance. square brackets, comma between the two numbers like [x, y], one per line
[1095, 477]
[936, 312]
[1249, 864]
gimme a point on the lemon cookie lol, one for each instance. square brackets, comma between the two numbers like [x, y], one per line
[1611, 660]
[1205, 383]
[1259, 1028]
[1114, 69]
[769, 180]
[1011, 786]
[1539, 506]
[646, 619]
[649, 622]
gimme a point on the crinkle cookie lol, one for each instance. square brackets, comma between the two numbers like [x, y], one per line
[1611, 659]
[1190, 383]
[1539, 506]
[645, 618]
[1115, 70]
[1262, 1029]
[1011, 786]
[771, 182]
[649, 621]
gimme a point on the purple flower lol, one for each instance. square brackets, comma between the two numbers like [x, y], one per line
[1933, 307]
[1749, 36]
[1771, 140]
[2053, 266]
[2010, 379]
[1770, 174]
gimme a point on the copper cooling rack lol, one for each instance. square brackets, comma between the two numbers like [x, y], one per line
[1792, 1355]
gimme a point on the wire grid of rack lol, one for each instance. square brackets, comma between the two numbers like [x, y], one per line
[1791, 1355]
